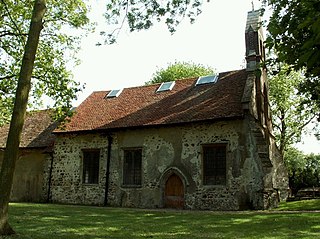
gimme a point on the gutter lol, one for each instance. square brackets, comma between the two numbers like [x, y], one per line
[115, 129]
[108, 170]
[50, 179]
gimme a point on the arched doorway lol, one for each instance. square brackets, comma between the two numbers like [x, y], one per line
[174, 192]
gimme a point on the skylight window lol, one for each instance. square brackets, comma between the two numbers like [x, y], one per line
[165, 86]
[114, 93]
[207, 79]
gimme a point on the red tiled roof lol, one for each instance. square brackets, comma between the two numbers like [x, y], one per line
[36, 133]
[143, 106]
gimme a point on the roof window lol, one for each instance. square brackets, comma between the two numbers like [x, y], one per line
[165, 86]
[114, 93]
[207, 79]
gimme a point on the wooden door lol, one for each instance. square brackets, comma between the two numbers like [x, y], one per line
[174, 192]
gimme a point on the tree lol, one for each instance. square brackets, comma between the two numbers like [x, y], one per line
[57, 47]
[11, 28]
[295, 162]
[20, 106]
[294, 34]
[291, 112]
[312, 171]
[180, 70]
[303, 170]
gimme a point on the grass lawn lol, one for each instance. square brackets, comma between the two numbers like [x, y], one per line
[46, 221]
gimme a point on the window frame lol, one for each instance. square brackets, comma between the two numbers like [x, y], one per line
[95, 167]
[205, 181]
[126, 180]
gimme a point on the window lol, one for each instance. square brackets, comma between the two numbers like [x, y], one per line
[91, 166]
[207, 79]
[132, 167]
[214, 164]
[114, 93]
[165, 86]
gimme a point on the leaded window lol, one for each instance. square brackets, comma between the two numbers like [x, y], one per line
[132, 166]
[91, 160]
[214, 164]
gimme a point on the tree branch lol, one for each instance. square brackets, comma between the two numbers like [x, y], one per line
[7, 33]
[13, 22]
[115, 32]
[302, 126]
[8, 77]
[277, 127]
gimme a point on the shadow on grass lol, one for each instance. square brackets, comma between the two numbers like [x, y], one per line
[60, 221]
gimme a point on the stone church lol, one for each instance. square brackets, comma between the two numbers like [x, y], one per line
[201, 143]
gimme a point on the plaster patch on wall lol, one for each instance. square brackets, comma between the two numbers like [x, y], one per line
[160, 151]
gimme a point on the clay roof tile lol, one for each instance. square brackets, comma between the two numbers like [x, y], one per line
[36, 133]
[143, 106]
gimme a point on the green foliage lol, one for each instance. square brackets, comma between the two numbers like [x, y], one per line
[291, 111]
[296, 23]
[56, 52]
[142, 14]
[294, 34]
[312, 86]
[180, 70]
[311, 176]
[303, 170]
[295, 161]
[46, 221]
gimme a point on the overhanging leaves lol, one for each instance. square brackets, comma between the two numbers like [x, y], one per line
[139, 15]
[55, 55]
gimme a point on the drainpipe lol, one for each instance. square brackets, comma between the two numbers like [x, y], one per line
[50, 178]
[108, 170]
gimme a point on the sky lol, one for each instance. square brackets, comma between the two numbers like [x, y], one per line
[216, 39]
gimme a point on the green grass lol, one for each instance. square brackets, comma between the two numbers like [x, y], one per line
[46, 221]
[305, 205]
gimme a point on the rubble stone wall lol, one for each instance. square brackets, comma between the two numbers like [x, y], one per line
[164, 150]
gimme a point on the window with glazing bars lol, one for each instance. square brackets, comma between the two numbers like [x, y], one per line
[91, 166]
[132, 166]
[214, 164]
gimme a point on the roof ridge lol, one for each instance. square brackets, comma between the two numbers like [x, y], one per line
[155, 84]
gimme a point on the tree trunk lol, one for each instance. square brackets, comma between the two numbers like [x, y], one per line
[283, 133]
[17, 120]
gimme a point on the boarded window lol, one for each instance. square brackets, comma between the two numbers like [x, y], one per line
[91, 166]
[132, 167]
[214, 164]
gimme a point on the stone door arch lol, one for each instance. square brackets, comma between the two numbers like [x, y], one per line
[173, 187]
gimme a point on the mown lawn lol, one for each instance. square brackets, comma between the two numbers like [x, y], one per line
[46, 221]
